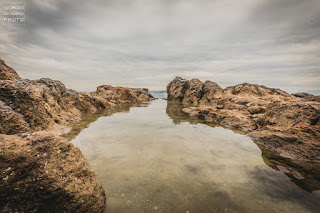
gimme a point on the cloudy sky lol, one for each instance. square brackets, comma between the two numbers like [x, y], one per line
[146, 43]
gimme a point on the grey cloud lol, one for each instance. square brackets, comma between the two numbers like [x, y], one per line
[142, 43]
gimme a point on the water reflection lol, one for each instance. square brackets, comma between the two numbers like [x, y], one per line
[157, 159]
[306, 174]
[89, 118]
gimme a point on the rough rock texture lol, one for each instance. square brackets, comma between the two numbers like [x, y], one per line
[177, 88]
[194, 92]
[107, 95]
[33, 105]
[284, 124]
[39, 103]
[211, 91]
[7, 73]
[46, 173]
[42, 172]
[11, 121]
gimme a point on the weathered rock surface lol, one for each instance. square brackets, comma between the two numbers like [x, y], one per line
[211, 91]
[33, 105]
[177, 88]
[284, 124]
[42, 172]
[7, 73]
[45, 173]
[194, 92]
[107, 95]
[11, 121]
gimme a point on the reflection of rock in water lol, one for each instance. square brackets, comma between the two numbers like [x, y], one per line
[306, 174]
[174, 111]
[89, 118]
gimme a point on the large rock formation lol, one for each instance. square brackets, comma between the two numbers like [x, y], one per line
[46, 173]
[42, 172]
[33, 105]
[284, 124]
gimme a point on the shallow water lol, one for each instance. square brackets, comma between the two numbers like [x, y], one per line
[153, 158]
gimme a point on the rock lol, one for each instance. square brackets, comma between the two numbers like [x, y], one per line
[314, 98]
[45, 173]
[47, 104]
[254, 91]
[211, 91]
[254, 109]
[177, 88]
[307, 96]
[303, 95]
[43, 104]
[118, 95]
[285, 127]
[194, 92]
[7, 73]
[11, 121]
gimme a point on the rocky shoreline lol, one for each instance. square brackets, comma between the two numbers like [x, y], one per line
[41, 171]
[288, 126]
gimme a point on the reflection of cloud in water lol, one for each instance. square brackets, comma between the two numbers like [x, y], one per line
[145, 160]
[306, 174]
[89, 118]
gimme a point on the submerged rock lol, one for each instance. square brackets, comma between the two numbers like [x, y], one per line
[45, 173]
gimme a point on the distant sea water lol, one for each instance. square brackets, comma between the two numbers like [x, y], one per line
[159, 94]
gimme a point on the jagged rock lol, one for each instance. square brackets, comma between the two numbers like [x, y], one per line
[11, 121]
[255, 108]
[45, 173]
[47, 104]
[211, 91]
[41, 172]
[285, 127]
[43, 103]
[7, 73]
[256, 91]
[177, 88]
[194, 92]
[118, 95]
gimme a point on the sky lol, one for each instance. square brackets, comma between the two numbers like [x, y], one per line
[146, 43]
